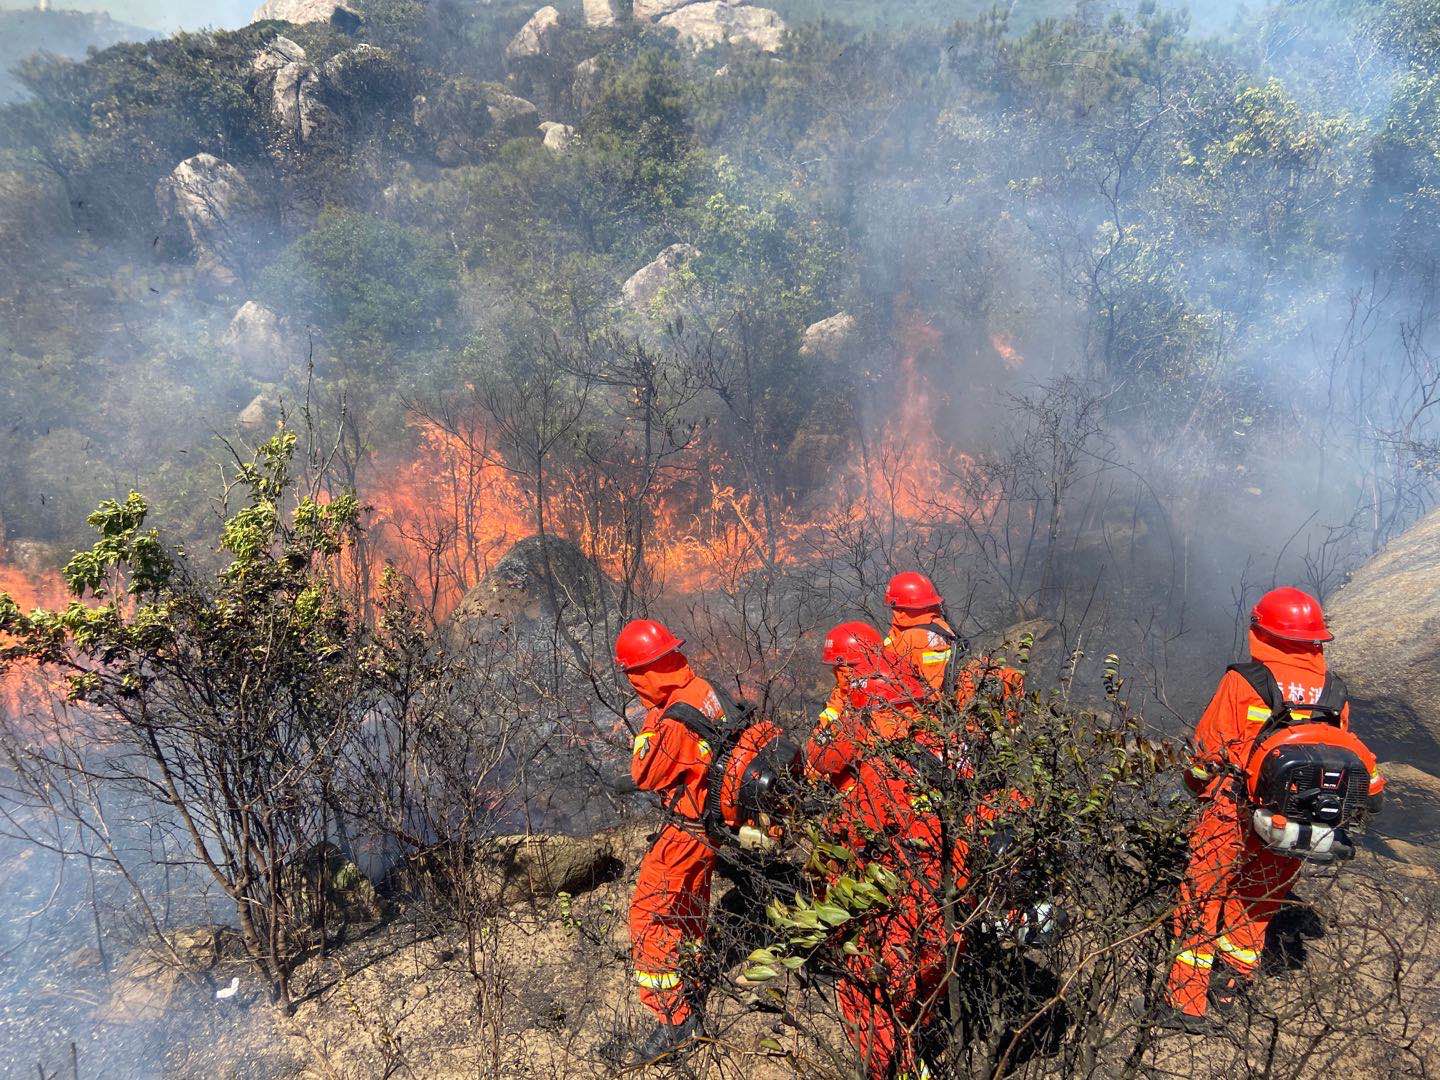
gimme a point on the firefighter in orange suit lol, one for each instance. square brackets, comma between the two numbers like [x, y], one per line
[829, 754]
[919, 631]
[671, 905]
[1234, 883]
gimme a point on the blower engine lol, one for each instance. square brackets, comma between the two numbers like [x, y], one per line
[753, 771]
[1309, 779]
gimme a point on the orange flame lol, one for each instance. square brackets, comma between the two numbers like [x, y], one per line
[23, 688]
[1001, 344]
[447, 515]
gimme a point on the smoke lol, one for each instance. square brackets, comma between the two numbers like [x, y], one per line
[165, 16]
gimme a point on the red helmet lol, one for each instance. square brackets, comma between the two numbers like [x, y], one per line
[851, 642]
[912, 591]
[1292, 615]
[642, 642]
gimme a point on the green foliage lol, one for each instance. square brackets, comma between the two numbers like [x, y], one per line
[369, 282]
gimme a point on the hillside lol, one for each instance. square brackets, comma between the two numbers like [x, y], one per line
[70, 34]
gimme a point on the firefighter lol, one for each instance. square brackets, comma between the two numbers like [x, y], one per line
[1235, 883]
[860, 746]
[849, 647]
[919, 631]
[671, 904]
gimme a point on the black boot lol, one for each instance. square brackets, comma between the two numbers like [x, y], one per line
[662, 1042]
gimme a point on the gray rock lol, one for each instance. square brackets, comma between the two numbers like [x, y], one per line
[509, 114]
[534, 580]
[298, 101]
[514, 869]
[276, 55]
[605, 12]
[650, 280]
[260, 414]
[829, 338]
[557, 135]
[341, 16]
[257, 338]
[217, 209]
[651, 10]
[1386, 622]
[586, 87]
[536, 38]
[715, 22]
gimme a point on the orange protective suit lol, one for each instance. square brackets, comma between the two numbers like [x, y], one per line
[925, 640]
[671, 905]
[1234, 884]
[974, 672]
[891, 987]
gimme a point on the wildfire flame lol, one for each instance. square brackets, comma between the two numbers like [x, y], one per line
[22, 687]
[448, 514]
[1002, 345]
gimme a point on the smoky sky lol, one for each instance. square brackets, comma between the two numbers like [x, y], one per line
[164, 15]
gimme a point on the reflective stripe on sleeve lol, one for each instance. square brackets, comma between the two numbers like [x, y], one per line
[935, 657]
[829, 715]
[657, 980]
[1258, 714]
[1196, 959]
[641, 743]
[1199, 772]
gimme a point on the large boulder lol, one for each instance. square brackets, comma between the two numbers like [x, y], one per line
[536, 579]
[829, 339]
[1386, 622]
[275, 55]
[557, 135]
[341, 16]
[587, 85]
[605, 12]
[217, 210]
[515, 869]
[454, 121]
[655, 277]
[510, 115]
[257, 339]
[297, 99]
[726, 22]
[536, 39]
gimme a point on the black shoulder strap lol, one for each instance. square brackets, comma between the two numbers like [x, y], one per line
[1262, 681]
[1333, 697]
[719, 733]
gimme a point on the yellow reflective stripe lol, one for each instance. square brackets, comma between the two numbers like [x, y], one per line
[1199, 772]
[935, 657]
[1258, 713]
[1229, 948]
[888, 642]
[657, 980]
[704, 747]
[1196, 959]
[829, 715]
[641, 742]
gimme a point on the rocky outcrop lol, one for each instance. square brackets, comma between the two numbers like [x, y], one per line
[586, 87]
[510, 115]
[257, 339]
[341, 16]
[655, 277]
[454, 121]
[298, 102]
[1386, 622]
[536, 39]
[725, 22]
[515, 869]
[653, 9]
[309, 104]
[275, 55]
[220, 214]
[536, 578]
[158, 976]
[829, 339]
[605, 12]
[557, 135]
[260, 415]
